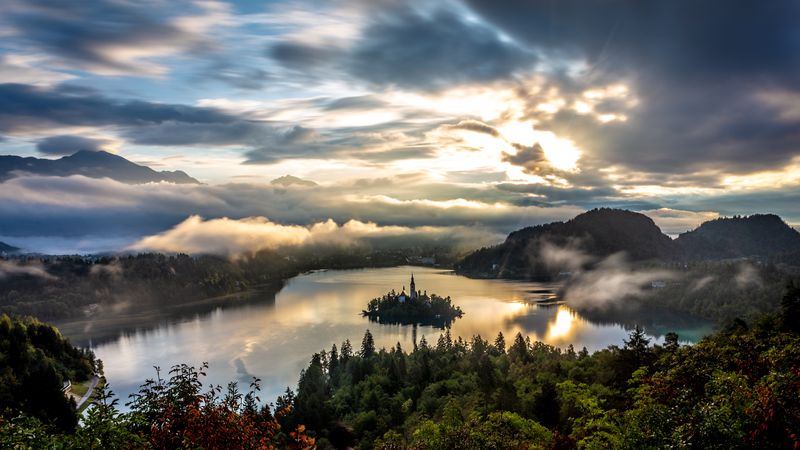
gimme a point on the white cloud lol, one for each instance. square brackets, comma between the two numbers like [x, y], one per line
[34, 269]
[249, 235]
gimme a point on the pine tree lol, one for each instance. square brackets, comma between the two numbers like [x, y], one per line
[367, 345]
[333, 361]
[671, 342]
[347, 352]
[500, 343]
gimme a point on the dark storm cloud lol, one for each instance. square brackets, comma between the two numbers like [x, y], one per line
[432, 51]
[23, 106]
[697, 67]
[686, 38]
[87, 33]
[67, 145]
[300, 56]
[707, 127]
[180, 133]
[413, 49]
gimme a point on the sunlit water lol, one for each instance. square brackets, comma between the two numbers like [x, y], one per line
[275, 340]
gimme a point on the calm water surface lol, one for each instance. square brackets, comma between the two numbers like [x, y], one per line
[274, 340]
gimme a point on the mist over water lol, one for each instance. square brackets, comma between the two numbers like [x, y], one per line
[274, 339]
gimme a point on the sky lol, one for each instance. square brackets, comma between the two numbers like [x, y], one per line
[470, 118]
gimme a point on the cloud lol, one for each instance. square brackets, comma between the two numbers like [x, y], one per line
[598, 283]
[22, 68]
[569, 258]
[33, 269]
[746, 276]
[610, 283]
[684, 67]
[108, 37]
[25, 107]
[531, 158]
[706, 40]
[77, 206]
[411, 48]
[113, 269]
[67, 145]
[555, 193]
[700, 283]
[249, 235]
[476, 126]
[439, 48]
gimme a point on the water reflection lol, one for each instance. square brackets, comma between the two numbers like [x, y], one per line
[275, 340]
[563, 326]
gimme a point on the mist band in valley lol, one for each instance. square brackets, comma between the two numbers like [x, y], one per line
[416, 307]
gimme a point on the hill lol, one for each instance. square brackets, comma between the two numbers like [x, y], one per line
[37, 360]
[92, 164]
[760, 235]
[602, 232]
[599, 232]
[5, 248]
[291, 180]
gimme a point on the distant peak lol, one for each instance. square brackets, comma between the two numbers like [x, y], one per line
[291, 180]
[93, 154]
[93, 164]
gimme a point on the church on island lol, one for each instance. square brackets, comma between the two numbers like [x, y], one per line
[413, 295]
[416, 306]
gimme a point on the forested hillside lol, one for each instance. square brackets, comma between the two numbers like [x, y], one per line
[34, 362]
[602, 232]
[599, 232]
[739, 237]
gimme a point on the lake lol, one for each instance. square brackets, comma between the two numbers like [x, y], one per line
[273, 338]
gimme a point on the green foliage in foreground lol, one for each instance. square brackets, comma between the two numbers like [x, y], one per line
[34, 362]
[165, 414]
[737, 389]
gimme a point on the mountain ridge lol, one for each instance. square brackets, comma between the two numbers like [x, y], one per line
[6, 248]
[604, 231]
[93, 164]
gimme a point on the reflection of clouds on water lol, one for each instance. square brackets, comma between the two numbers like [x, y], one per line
[241, 370]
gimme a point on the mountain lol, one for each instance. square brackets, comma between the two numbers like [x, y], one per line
[599, 232]
[91, 164]
[290, 180]
[5, 248]
[602, 232]
[736, 237]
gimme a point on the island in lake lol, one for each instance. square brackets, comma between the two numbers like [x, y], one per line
[416, 307]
